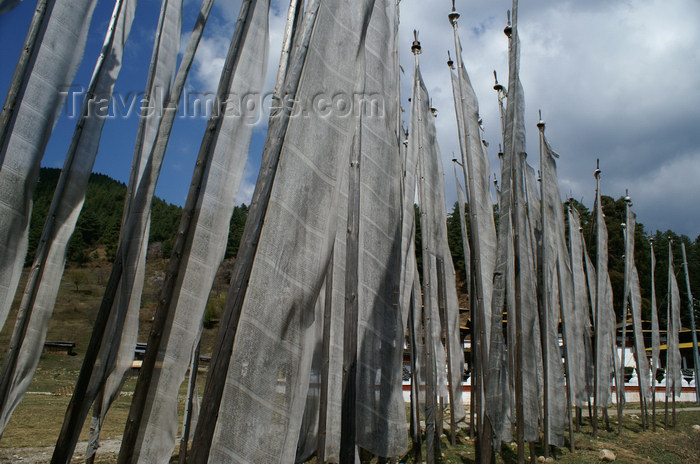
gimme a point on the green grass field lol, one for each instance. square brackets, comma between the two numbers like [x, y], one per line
[35, 424]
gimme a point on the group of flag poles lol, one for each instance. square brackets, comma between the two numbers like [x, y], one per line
[525, 271]
[600, 294]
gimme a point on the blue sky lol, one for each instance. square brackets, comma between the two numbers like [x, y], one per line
[615, 81]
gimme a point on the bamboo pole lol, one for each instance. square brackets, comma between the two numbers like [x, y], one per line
[691, 310]
[251, 233]
[325, 364]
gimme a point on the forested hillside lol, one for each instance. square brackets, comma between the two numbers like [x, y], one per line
[100, 219]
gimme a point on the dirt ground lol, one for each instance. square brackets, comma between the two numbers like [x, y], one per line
[109, 449]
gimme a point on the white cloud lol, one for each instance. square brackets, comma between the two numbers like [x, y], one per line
[615, 81]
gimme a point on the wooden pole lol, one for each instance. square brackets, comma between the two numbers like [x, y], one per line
[629, 254]
[439, 426]
[674, 410]
[572, 444]
[292, 15]
[653, 400]
[430, 393]
[519, 408]
[325, 363]
[473, 363]
[431, 403]
[654, 360]
[578, 418]
[616, 376]
[668, 332]
[191, 392]
[577, 410]
[606, 418]
[484, 430]
[646, 415]
[442, 303]
[623, 358]
[596, 325]
[533, 452]
[590, 412]
[620, 383]
[348, 426]
[691, 310]
[516, 187]
[218, 370]
[544, 302]
[415, 409]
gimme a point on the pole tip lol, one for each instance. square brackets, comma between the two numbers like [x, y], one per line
[508, 31]
[450, 63]
[454, 16]
[416, 48]
[496, 86]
